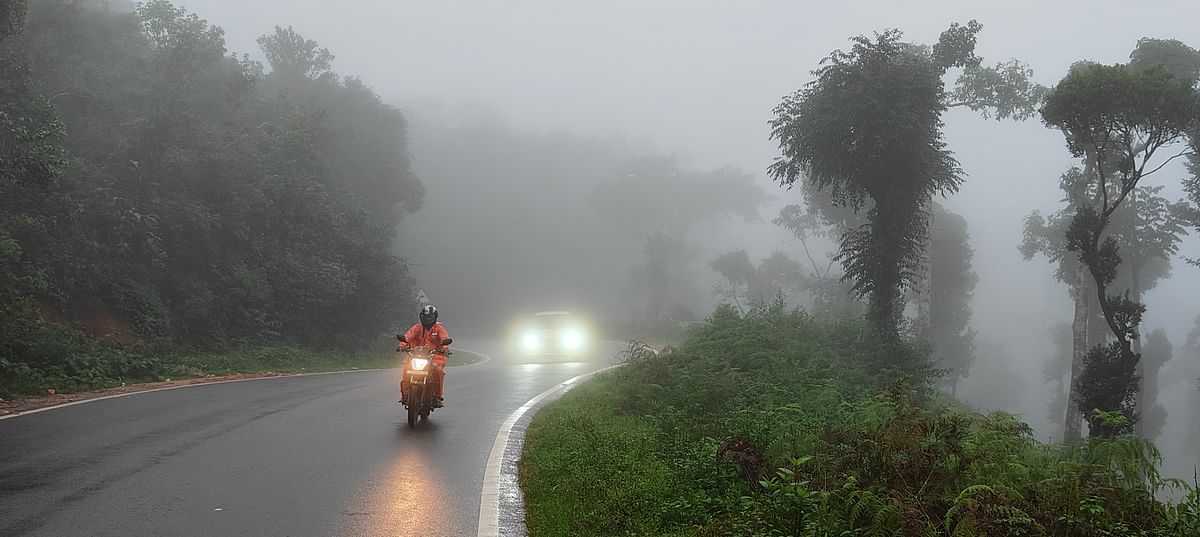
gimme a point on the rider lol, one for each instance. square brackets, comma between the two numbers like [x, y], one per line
[428, 333]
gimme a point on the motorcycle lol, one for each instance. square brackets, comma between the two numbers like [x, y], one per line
[417, 368]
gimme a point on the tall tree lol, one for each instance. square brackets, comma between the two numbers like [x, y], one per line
[1191, 186]
[1155, 354]
[1056, 369]
[1192, 350]
[1124, 115]
[870, 129]
[952, 284]
[1154, 237]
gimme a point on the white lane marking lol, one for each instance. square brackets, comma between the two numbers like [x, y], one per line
[197, 384]
[489, 499]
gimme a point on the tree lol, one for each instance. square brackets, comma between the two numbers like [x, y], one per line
[653, 200]
[1155, 354]
[779, 279]
[829, 293]
[31, 160]
[1148, 225]
[870, 129]
[1191, 186]
[749, 287]
[1057, 370]
[294, 58]
[738, 273]
[1192, 359]
[952, 284]
[1123, 115]
[1193, 340]
[202, 206]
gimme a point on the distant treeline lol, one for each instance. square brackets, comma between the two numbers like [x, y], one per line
[154, 187]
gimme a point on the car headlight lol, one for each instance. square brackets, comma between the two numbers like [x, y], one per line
[419, 364]
[531, 342]
[572, 339]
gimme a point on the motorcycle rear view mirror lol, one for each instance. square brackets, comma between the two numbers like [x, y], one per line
[447, 341]
[400, 338]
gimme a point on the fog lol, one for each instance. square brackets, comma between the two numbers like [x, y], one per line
[518, 109]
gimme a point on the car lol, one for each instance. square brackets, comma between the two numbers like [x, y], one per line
[553, 333]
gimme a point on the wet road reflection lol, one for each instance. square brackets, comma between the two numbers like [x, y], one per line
[431, 481]
[406, 496]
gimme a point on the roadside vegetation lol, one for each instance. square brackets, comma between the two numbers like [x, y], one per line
[161, 196]
[97, 365]
[782, 423]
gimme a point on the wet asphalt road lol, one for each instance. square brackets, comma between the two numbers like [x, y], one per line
[296, 456]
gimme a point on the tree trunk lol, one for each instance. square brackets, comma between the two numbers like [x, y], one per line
[1141, 404]
[1073, 426]
[925, 288]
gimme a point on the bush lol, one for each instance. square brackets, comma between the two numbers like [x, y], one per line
[780, 423]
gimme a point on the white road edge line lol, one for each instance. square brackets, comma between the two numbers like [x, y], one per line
[198, 384]
[489, 500]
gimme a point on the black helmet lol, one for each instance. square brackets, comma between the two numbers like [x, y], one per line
[429, 315]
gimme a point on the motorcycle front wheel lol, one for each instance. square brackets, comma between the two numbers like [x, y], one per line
[415, 396]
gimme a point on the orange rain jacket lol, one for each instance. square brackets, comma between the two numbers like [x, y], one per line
[418, 336]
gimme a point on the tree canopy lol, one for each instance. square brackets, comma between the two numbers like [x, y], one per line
[869, 129]
[194, 198]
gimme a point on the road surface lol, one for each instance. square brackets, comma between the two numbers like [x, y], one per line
[294, 456]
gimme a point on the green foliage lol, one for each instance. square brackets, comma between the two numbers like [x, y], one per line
[848, 136]
[1109, 109]
[205, 203]
[69, 361]
[293, 57]
[1171, 55]
[12, 17]
[779, 423]
[1118, 117]
[952, 286]
[869, 130]
[1003, 91]
[1108, 386]
[1191, 185]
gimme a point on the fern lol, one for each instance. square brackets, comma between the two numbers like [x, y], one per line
[954, 523]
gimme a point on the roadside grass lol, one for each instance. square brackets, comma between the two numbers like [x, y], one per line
[780, 423]
[584, 447]
[99, 366]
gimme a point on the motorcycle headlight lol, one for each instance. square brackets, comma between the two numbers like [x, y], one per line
[530, 341]
[419, 364]
[572, 339]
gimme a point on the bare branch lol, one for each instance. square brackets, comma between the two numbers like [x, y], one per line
[1184, 153]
